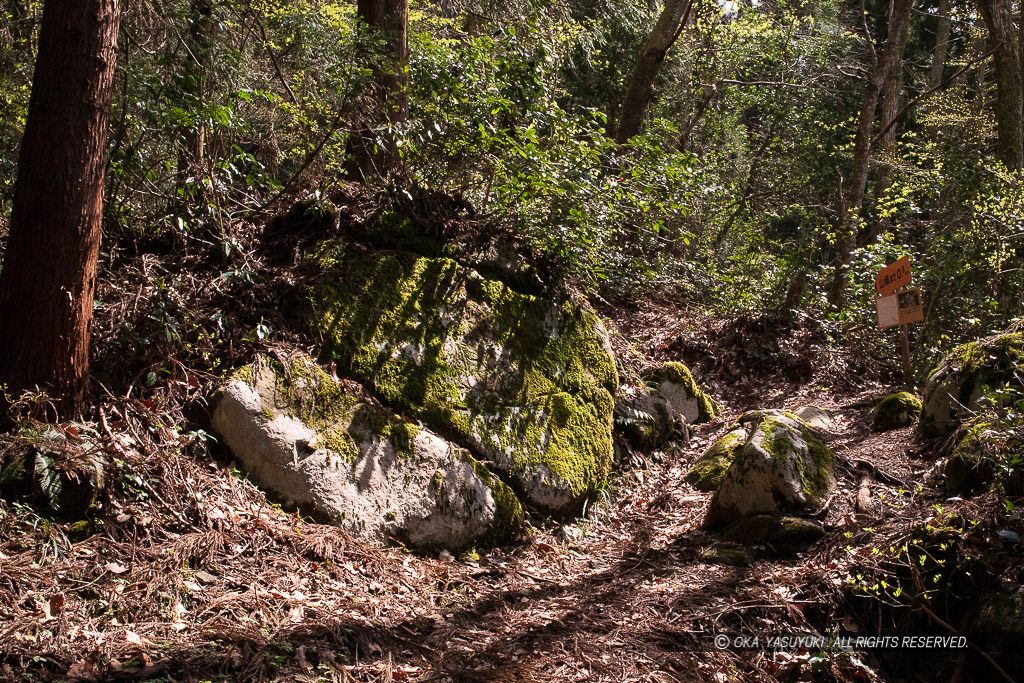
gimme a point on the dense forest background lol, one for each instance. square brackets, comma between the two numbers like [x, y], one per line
[708, 151]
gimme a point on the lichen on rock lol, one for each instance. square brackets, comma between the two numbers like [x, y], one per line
[316, 448]
[524, 382]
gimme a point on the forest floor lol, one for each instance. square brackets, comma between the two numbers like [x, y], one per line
[191, 574]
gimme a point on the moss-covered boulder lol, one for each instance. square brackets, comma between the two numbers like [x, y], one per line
[953, 388]
[316, 448]
[649, 419]
[784, 467]
[675, 383]
[987, 455]
[709, 470]
[897, 410]
[525, 383]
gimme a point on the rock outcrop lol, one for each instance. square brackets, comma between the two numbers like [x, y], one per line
[783, 467]
[314, 447]
[525, 383]
[953, 388]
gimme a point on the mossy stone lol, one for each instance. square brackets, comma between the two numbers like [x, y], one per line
[897, 410]
[347, 461]
[675, 382]
[524, 382]
[953, 388]
[709, 470]
[784, 467]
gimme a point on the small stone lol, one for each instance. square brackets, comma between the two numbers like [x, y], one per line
[897, 410]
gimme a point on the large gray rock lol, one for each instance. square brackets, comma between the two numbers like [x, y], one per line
[525, 383]
[784, 467]
[953, 388]
[298, 434]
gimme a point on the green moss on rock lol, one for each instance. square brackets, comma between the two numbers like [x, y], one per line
[709, 470]
[953, 388]
[897, 410]
[524, 383]
[680, 375]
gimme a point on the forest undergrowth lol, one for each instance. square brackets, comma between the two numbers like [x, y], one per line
[186, 572]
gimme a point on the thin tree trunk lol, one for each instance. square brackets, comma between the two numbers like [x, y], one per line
[192, 145]
[941, 44]
[899, 16]
[652, 55]
[998, 15]
[46, 285]
[892, 88]
[388, 20]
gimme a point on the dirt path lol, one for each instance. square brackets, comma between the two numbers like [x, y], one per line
[230, 587]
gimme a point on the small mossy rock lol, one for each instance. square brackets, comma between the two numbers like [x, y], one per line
[774, 530]
[675, 383]
[709, 470]
[646, 421]
[953, 388]
[299, 435]
[525, 382]
[817, 419]
[783, 467]
[897, 410]
[731, 556]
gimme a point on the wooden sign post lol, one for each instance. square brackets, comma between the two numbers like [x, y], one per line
[897, 306]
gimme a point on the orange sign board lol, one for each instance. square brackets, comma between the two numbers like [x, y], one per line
[893, 276]
[900, 308]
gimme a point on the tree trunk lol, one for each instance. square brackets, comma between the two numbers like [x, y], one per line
[892, 88]
[388, 22]
[46, 285]
[652, 55]
[192, 145]
[941, 44]
[899, 17]
[998, 15]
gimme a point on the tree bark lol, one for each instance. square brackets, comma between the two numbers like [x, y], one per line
[388, 23]
[899, 17]
[998, 15]
[46, 285]
[652, 55]
[892, 87]
[192, 145]
[941, 44]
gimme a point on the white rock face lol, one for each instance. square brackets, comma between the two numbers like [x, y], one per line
[783, 467]
[352, 464]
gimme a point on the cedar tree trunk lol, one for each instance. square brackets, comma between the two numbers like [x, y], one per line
[998, 15]
[46, 285]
